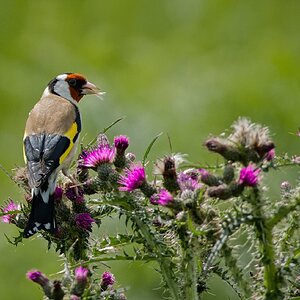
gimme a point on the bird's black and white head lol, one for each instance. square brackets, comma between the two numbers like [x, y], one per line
[72, 86]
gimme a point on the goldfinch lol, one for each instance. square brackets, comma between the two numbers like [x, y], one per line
[50, 141]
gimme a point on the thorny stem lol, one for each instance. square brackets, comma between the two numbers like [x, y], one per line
[191, 278]
[67, 273]
[164, 262]
[189, 263]
[236, 272]
[265, 239]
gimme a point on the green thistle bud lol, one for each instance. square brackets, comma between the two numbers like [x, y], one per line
[222, 192]
[228, 174]
[104, 171]
[147, 189]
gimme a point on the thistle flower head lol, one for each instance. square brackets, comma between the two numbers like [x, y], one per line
[189, 180]
[203, 172]
[286, 186]
[249, 176]
[251, 136]
[168, 164]
[11, 206]
[81, 158]
[102, 140]
[286, 189]
[75, 194]
[38, 277]
[101, 155]
[167, 167]
[133, 178]
[163, 198]
[33, 275]
[81, 273]
[84, 221]
[58, 193]
[107, 279]
[121, 142]
[270, 155]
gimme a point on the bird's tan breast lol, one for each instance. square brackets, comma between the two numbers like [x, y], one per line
[52, 114]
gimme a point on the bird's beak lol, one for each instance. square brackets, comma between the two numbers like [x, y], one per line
[90, 89]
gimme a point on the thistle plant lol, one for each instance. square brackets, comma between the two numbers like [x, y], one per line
[174, 213]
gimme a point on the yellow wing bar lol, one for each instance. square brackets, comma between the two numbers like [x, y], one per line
[70, 134]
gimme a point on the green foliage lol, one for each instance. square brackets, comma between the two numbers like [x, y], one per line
[185, 231]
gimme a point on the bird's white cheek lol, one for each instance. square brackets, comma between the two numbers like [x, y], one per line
[63, 90]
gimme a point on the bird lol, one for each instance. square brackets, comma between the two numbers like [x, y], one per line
[49, 145]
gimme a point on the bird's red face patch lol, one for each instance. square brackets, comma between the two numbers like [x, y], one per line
[76, 81]
[76, 76]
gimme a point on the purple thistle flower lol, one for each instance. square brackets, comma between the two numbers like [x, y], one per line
[203, 172]
[74, 297]
[34, 275]
[75, 194]
[84, 221]
[163, 198]
[81, 274]
[249, 176]
[270, 155]
[107, 279]
[101, 155]
[121, 143]
[134, 178]
[38, 277]
[58, 193]
[11, 206]
[189, 181]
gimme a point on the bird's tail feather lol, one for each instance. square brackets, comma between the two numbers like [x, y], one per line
[42, 215]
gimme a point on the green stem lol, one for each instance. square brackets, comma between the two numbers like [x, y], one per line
[237, 273]
[127, 204]
[164, 262]
[190, 273]
[189, 263]
[266, 248]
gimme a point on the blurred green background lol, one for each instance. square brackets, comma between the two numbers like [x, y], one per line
[184, 67]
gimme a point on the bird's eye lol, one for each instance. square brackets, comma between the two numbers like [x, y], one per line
[73, 82]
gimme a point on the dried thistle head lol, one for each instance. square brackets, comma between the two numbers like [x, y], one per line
[21, 178]
[168, 164]
[251, 136]
[102, 140]
[167, 167]
[247, 142]
[224, 147]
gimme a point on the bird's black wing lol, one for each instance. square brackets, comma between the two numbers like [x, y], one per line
[43, 154]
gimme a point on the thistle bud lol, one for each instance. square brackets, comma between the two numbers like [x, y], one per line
[208, 178]
[224, 148]
[81, 277]
[228, 174]
[222, 192]
[57, 291]
[107, 280]
[121, 144]
[42, 280]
